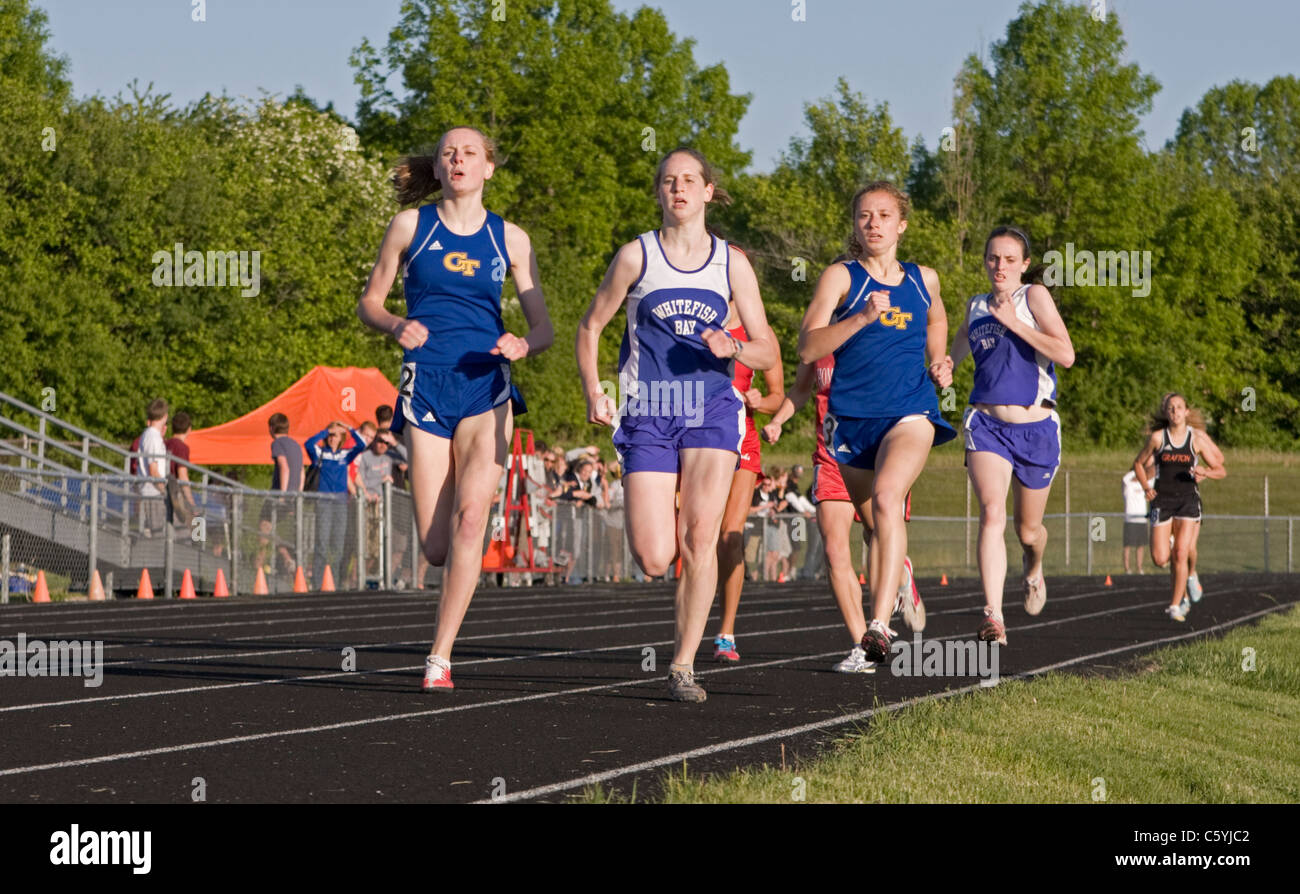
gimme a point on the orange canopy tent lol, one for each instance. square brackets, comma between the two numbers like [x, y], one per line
[349, 395]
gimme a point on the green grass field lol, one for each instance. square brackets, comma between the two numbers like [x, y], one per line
[1182, 725]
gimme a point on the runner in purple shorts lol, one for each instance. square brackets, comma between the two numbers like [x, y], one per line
[1012, 431]
[678, 420]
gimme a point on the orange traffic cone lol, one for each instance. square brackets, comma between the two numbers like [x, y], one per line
[299, 582]
[96, 588]
[146, 588]
[187, 586]
[780, 578]
[327, 581]
[943, 580]
[862, 578]
[1108, 582]
[42, 593]
[219, 589]
[259, 587]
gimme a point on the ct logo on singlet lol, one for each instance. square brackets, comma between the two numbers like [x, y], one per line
[894, 317]
[459, 262]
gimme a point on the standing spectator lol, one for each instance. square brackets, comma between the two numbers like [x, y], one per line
[286, 477]
[578, 488]
[797, 502]
[612, 511]
[325, 450]
[384, 422]
[375, 467]
[153, 464]
[1135, 521]
[176, 446]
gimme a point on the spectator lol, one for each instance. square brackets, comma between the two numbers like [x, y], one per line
[776, 541]
[176, 446]
[152, 464]
[384, 422]
[286, 477]
[325, 450]
[612, 511]
[374, 467]
[1135, 521]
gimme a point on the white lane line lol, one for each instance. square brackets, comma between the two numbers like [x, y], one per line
[386, 670]
[595, 778]
[169, 749]
[198, 624]
[368, 646]
[126, 662]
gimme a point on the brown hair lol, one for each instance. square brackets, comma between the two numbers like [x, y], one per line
[279, 423]
[1034, 273]
[1160, 418]
[720, 195]
[181, 423]
[156, 410]
[904, 209]
[415, 177]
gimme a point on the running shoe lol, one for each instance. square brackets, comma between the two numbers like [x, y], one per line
[856, 663]
[875, 642]
[992, 630]
[1035, 591]
[1185, 606]
[724, 648]
[909, 597]
[1194, 588]
[683, 688]
[1177, 612]
[437, 674]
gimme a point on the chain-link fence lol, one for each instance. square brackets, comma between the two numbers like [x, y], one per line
[68, 524]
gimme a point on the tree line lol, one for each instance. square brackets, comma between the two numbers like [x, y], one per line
[584, 101]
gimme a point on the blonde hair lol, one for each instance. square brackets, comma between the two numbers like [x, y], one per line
[856, 250]
[415, 177]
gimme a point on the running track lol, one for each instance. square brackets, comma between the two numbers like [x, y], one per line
[551, 696]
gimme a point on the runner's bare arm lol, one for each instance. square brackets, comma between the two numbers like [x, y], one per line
[370, 308]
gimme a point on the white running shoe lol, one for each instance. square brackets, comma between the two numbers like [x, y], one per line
[1194, 588]
[909, 598]
[1177, 612]
[856, 663]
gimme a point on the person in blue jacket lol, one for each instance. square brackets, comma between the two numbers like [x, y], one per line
[325, 450]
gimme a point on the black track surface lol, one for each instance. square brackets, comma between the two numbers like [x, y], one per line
[250, 694]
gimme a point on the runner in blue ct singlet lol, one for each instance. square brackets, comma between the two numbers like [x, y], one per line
[453, 286]
[880, 374]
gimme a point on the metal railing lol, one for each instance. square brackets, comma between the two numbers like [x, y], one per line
[69, 525]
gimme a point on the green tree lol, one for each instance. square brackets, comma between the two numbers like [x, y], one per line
[583, 101]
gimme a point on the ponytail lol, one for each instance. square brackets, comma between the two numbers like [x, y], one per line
[414, 178]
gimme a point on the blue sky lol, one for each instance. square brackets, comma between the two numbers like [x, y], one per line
[903, 52]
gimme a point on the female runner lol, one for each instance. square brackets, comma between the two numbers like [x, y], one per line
[731, 539]
[1178, 443]
[880, 318]
[1011, 428]
[678, 415]
[835, 517]
[455, 395]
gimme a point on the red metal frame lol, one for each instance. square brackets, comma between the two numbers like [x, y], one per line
[517, 511]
